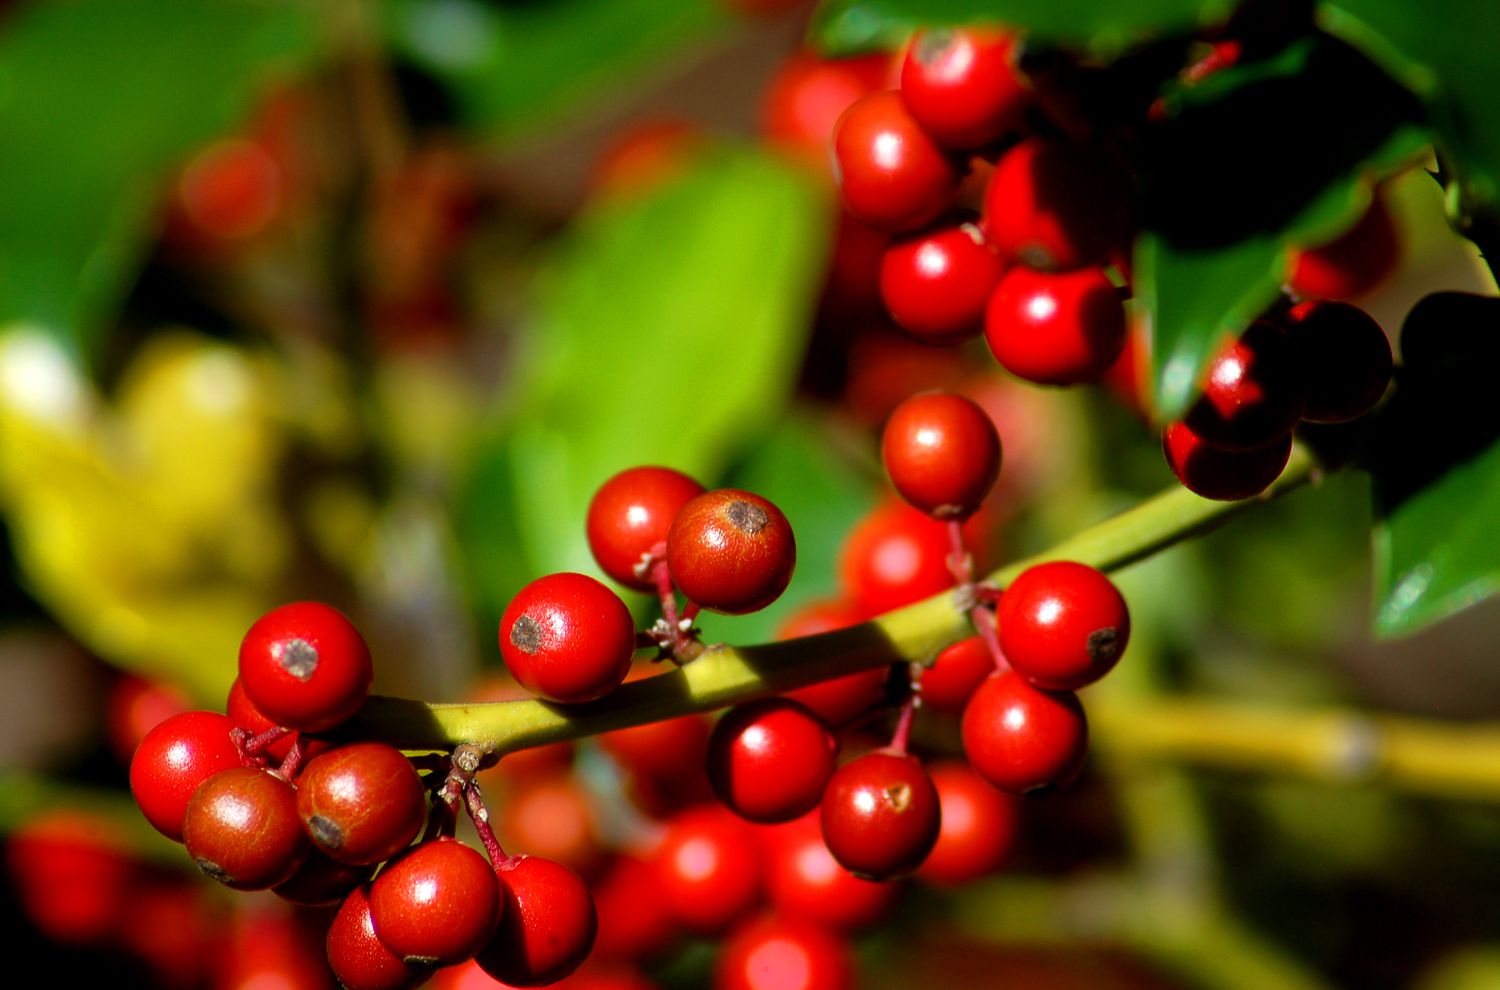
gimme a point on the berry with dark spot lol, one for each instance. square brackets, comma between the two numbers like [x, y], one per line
[567, 637]
[305, 666]
[731, 551]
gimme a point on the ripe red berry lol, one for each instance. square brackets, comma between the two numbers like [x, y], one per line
[731, 551]
[1063, 625]
[1052, 206]
[72, 873]
[942, 454]
[809, 93]
[362, 803]
[173, 760]
[708, 871]
[803, 880]
[666, 751]
[960, 85]
[242, 829]
[553, 817]
[955, 674]
[894, 556]
[629, 518]
[634, 925]
[1223, 475]
[936, 284]
[548, 924]
[1252, 391]
[1055, 328]
[880, 815]
[305, 666]
[1350, 265]
[1023, 739]
[436, 905]
[567, 638]
[979, 829]
[784, 954]
[1344, 357]
[242, 710]
[891, 174]
[359, 959]
[838, 700]
[321, 881]
[769, 760]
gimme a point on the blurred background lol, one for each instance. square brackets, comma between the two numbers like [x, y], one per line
[360, 302]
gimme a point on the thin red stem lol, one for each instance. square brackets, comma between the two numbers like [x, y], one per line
[984, 624]
[480, 816]
[902, 736]
[960, 562]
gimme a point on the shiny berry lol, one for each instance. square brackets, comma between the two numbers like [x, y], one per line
[774, 953]
[708, 871]
[894, 556]
[1023, 739]
[942, 454]
[891, 174]
[769, 760]
[1055, 328]
[936, 284]
[629, 517]
[436, 905]
[305, 666]
[173, 760]
[1352, 264]
[731, 551]
[362, 803]
[1344, 357]
[1055, 207]
[359, 959]
[242, 829]
[567, 638]
[803, 880]
[1222, 475]
[1063, 625]
[979, 830]
[960, 85]
[548, 924]
[954, 675]
[1252, 391]
[880, 815]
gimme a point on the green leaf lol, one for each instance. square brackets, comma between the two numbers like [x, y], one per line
[97, 99]
[1256, 161]
[512, 67]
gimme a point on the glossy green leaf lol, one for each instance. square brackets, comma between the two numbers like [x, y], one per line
[98, 98]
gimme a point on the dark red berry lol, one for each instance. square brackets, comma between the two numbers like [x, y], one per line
[1055, 328]
[242, 829]
[173, 760]
[634, 925]
[359, 959]
[731, 551]
[774, 953]
[436, 905]
[708, 871]
[942, 454]
[960, 85]
[1353, 263]
[1252, 391]
[1055, 207]
[1344, 357]
[362, 803]
[769, 760]
[1023, 739]
[803, 880]
[305, 666]
[1063, 625]
[936, 284]
[954, 675]
[1223, 475]
[979, 829]
[72, 873]
[553, 817]
[567, 638]
[891, 174]
[321, 881]
[880, 815]
[894, 556]
[548, 924]
[629, 518]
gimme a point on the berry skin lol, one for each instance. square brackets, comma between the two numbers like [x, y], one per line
[305, 666]
[803, 880]
[1023, 739]
[708, 871]
[1345, 360]
[774, 953]
[242, 829]
[960, 86]
[634, 925]
[1055, 329]
[1252, 394]
[173, 760]
[361, 804]
[71, 873]
[1350, 265]
[548, 927]
[1053, 207]
[891, 174]
[567, 638]
[358, 958]
[436, 905]
[769, 760]
[629, 518]
[1222, 475]
[979, 829]
[1063, 625]
[731, 551]
[935, 284]
[880, 815]
[894, 556]
[942, 454]
[956, 673]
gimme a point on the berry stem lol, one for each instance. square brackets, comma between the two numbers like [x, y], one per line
[984, 624]
[901, 737]
[480, 816]
[960, 561]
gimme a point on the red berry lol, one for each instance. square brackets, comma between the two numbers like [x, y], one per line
[805, 881]
[1252, 391]
[708, 872]
[173, 760]
[548, 924]
[942, 454]
[891, 174]
[567, 638]
[242, 829]
[960, 85]
[629, 517]
[553, 817]
[1055, 207]
[362, 803]
[1345, 360]
[359, 959]
[769, 760]
[774, 953]
[1223, 475]
[305, 666]
[1023, 739]
[1063, 625]
[136, 706]
[1055, 329]
[954, 675]
[809, 93]
[731, 551]
[436, 905]
[72, 874]
[634, 924]
[242, 710]
[1350, 265]
[666, 751]
[895, 556]
[880, 815]
[979, 827]
[321, 881]
[842, 698]
[936, 284]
